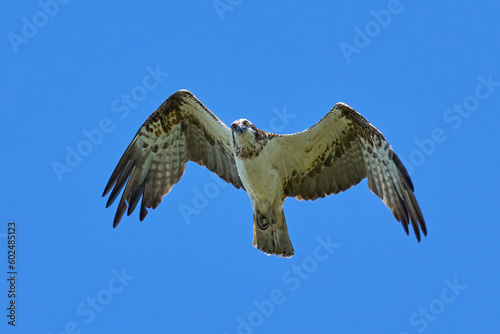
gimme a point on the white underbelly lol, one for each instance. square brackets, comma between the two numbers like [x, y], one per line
[262, 182]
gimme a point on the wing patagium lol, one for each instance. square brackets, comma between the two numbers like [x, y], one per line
[182, 129]
[340, 151]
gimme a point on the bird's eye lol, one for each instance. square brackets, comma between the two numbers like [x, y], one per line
[245, 123]
[233, 126]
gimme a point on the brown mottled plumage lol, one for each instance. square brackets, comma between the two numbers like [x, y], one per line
[333, 155]
[182, 129]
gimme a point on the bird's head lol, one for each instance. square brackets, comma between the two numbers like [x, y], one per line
[247, 136]
[241, 126]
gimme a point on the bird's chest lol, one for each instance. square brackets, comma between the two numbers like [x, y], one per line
[260, 178]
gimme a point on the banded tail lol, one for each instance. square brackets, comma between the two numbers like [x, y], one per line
[270, 234]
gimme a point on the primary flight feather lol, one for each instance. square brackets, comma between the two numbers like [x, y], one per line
[333, 155]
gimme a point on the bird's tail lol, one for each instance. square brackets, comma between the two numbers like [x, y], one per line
[270, 234]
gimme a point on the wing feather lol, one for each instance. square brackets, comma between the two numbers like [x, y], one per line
[340, 151]
[182, 129]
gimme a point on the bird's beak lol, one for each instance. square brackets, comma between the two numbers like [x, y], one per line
[240, 128]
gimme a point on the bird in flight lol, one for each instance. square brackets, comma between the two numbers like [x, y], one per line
[333, 155]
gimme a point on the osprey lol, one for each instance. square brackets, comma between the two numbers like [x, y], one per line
[333, 155]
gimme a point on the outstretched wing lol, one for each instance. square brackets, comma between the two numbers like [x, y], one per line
[337, 153]
[180, 130]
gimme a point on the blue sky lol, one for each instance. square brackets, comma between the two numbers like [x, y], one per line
[79, 78]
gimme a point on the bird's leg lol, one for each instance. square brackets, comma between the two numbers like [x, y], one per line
[263, 221]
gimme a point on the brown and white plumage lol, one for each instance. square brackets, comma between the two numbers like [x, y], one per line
[340, 151]
[333, 155]
[182, 129]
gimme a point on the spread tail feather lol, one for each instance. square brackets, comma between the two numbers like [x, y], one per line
[270, 234]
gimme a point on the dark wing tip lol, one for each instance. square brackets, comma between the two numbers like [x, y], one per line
[405, 224]
[423, 227]
[122, 207]
[403, 171]
[109, 185]
[417, 232]
[109, 202]
[417, 219]
[143, 213]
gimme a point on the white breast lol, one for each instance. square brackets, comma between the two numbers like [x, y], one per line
[261, 180]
